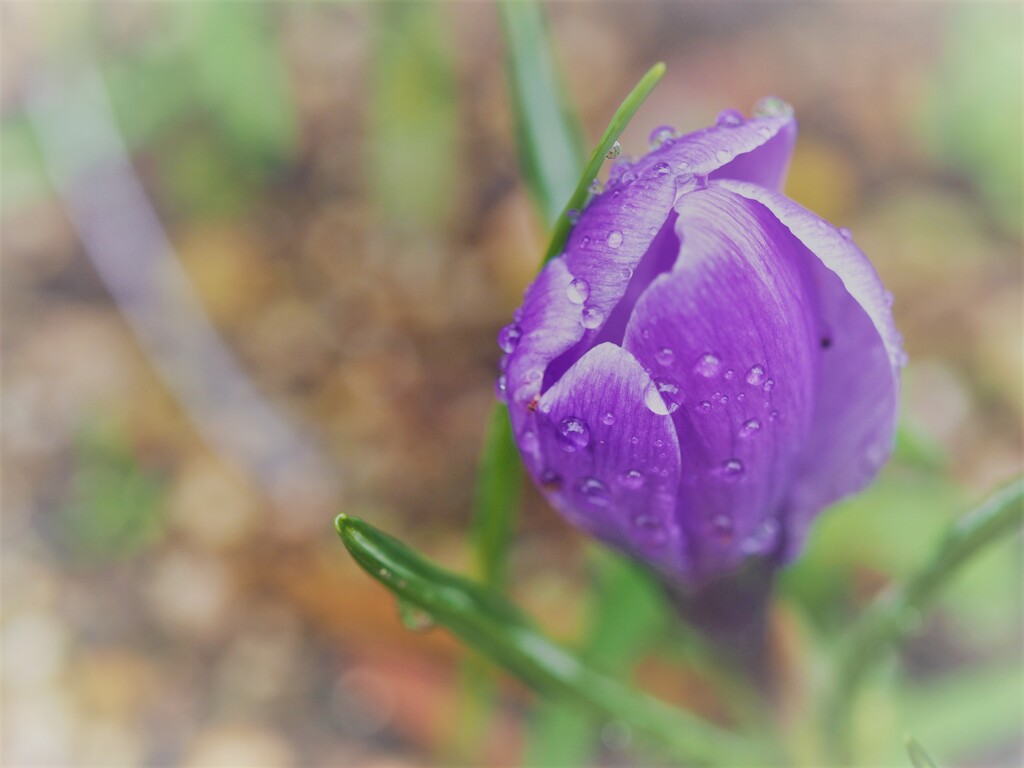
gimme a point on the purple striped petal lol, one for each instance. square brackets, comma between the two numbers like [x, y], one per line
[730, 336]
[610, 463]
[855, 406]
[619, 227]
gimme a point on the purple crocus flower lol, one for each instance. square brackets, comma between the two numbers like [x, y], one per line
[708, 364]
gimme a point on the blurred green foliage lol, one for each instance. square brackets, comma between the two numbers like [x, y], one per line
[975, 114]
[115, 507]
[210, 92]
[411, 162]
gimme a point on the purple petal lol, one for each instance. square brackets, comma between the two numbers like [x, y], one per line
[858, 389]
[610, 464]
[546, 325]
[617, 229]
[731, 339]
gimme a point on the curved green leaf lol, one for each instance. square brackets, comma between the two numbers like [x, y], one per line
[496, 628]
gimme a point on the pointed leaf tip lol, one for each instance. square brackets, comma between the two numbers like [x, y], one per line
[340, 522]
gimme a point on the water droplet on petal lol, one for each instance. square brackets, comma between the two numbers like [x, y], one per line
[665, 356]
[707, 365]
[769, 385]
[501, 388]
[731, 469]
[573, 434]
[614, 152]
[750, 428]
[596, 187]
[627, 273]
[763, 537]
[591, 318]
[704, 406]
[729, 118]
[651, 528]
[578, 291]
[508, 338]
[669, 392]
[608, 419]
[660, 169]
[723, 155]
[594, 492]
[585, 241]
[846, 233]
[729, 375]
[655, 403]
[632, 478]
[773, 416]
[722, 526]
[660, 136]
[755, 375]
[772, 106]
[550, 480]
[614, 238]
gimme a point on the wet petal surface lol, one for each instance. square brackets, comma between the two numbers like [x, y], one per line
[730, 338]
[610, 464]
[857, 397]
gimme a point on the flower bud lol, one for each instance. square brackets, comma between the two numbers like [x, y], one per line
[708, 364]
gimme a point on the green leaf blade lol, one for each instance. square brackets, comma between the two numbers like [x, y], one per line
[496, 628]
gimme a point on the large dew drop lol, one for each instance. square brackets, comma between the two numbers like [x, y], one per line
[508, 338]
[669, 392]
[573, 434]
[654, 401]
[660, 136]
[614, 238]
[755, 375]
[591, 318]
[707, 365]
[614, 152]
[578, 291]
[729, 118]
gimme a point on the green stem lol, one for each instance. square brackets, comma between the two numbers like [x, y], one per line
[547, 133]
[499, 480]
[897, 611]
[611, 134]
[496, 628]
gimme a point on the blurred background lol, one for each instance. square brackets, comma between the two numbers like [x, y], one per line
[255, 257]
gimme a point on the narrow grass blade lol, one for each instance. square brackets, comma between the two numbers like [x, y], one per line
[499, 481]
[611, 134]
[496, 628]
[548, 136]
[625, 614]
[888, 620]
